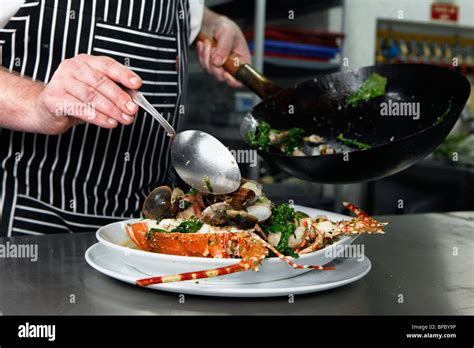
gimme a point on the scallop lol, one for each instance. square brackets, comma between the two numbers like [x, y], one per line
[297, 237]
[261, 211]
[274, 238]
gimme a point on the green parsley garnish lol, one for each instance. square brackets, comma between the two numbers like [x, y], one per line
[152, 232]
[282, 220]
[352, 142]
[189, 226]
[260, 138]
[441, 118]
[292, 140]
[299, 215]
[373, 87]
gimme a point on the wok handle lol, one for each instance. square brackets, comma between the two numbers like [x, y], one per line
[244, 72]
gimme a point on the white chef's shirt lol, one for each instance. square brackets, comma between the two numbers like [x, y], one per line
[196, 8]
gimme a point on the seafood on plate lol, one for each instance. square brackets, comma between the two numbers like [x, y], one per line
[242, 225]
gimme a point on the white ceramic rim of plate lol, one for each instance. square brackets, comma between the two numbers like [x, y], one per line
[223, 261]
[224, 290]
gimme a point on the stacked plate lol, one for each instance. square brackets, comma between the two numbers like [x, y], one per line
[116, 256]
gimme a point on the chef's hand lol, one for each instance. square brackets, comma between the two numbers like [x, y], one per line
[229, 39]
[84, 89]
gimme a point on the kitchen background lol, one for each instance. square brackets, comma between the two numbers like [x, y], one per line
[304, 38]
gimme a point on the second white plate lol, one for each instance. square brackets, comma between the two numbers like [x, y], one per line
[347, 271]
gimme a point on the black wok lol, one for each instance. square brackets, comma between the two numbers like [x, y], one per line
[396, 142]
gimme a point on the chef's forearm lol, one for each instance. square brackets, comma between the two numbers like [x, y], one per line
[18, 96]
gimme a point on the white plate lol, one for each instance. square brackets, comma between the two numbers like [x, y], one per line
[347, 271]
[115, 237]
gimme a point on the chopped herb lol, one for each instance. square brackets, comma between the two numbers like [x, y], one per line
[373, 87]
[152, 232]
[260, 138]
[189, 226]
[282, 214]
[282, 220]
[441, 118]
[299, 215]
[157, 230]
[287, 142]
[292, 140]
[353, 142]
[286, 232]
[207, 182]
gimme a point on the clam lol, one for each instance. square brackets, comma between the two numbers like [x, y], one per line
[241, 198]
[176, 195]
[222, 213]
[215, 214]
[157, 204]
[252, 185]
[240, 219]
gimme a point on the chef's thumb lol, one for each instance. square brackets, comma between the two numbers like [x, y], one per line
[225, 42]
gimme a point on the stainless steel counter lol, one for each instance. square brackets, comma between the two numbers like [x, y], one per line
[426, 258]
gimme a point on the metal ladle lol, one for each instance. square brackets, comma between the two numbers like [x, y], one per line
[201, 160]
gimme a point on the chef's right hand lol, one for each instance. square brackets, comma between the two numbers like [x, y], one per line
[84, 89]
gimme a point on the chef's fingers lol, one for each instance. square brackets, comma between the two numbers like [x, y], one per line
[218, 72]
[229, 40]
[113, 69]
[82, 111]
[241, 49]
[230, 80]
[97, 101]
[206, 55]
[199, 51]
[201, 54]
[100, 82]
[225, 37]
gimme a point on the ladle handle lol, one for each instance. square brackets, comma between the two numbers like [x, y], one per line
[141, 101]
[244, 72]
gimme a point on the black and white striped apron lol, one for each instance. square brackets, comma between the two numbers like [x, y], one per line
[90, 176]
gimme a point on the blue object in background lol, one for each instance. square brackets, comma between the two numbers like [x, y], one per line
[394, 51]
[292, 48]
